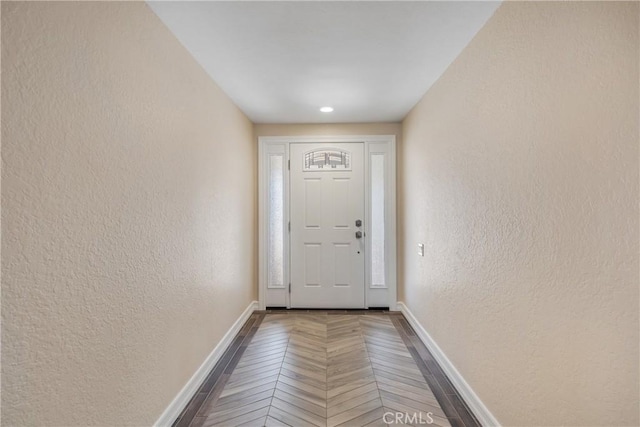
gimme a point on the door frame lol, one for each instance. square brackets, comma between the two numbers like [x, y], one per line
[278, 146]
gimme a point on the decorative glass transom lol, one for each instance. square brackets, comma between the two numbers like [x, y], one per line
[323, 159]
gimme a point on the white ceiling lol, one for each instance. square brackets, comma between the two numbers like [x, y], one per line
[280, 61]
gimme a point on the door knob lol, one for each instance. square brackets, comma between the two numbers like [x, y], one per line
[358, 234]
[358, 223]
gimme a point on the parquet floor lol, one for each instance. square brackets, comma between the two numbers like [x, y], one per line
[317, 369]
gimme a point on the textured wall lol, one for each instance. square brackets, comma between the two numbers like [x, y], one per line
[129, 214]
[521, 164]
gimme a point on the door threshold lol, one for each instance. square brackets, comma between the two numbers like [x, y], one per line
[371, 310]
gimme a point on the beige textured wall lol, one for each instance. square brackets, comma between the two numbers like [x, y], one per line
[522, 166]
[129, 214]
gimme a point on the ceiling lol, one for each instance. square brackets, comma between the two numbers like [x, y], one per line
[280, 61]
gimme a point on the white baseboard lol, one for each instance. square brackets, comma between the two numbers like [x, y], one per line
[472, 400]
[189, 390]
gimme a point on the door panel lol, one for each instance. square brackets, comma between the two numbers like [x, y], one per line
[312, 264]
[312, 202]
[342, 264]
[327, 197]
[342, 214]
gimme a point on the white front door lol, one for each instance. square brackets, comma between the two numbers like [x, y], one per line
[327, 245]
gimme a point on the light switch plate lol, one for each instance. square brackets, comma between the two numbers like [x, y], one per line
[421, 249]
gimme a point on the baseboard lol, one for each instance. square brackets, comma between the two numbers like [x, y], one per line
[189, 390]
[472, 400]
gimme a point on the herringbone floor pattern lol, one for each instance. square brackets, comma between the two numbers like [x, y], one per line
[319, 370]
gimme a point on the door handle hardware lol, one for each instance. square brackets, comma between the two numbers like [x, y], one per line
[358, 234]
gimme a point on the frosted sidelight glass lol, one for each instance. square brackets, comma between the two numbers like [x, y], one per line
[377, 221]
[276, 221]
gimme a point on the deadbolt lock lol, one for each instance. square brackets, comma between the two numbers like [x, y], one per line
[358, 223]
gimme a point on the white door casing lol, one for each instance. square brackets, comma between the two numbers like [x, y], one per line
[379, 222]
[326, 200]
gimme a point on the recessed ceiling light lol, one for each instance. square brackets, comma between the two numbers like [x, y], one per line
[326, 109]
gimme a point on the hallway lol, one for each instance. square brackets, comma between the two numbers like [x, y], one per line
[327, 368]
[471, 167]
